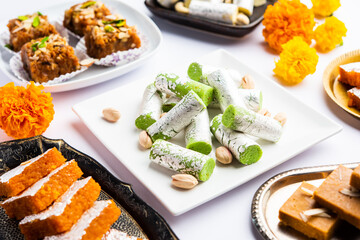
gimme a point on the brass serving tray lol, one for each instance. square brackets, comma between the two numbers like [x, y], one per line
[274, 192]
[336, 90]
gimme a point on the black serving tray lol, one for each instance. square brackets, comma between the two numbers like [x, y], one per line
[137, 218]
[208, 25]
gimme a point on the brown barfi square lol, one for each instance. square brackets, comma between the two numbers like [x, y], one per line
[330, 195]
[44, 192]
[110, 36]
[354, 97]
[350, 74]
[18, 179]
[48, 58]
[28, 27]
[315, 227]
[79, 16]
[355, 178]
[61, 216]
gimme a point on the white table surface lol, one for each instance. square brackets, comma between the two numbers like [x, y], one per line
[227, 216]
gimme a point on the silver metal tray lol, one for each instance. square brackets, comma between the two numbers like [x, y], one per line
[274, 192]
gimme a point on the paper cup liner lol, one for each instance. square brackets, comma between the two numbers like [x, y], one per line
[120, 57]
[17, 67]
[5, 36]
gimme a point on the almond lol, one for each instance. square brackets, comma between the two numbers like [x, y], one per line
[281, 117]
[247, 82]
[111, 114]
[223, 155]
[184, 181]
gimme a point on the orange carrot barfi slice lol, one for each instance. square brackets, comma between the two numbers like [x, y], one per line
[350, 74]
[114, 234]
[93, 224]
[44, 192]
[61, 216]
[18, 179]
[355, 178]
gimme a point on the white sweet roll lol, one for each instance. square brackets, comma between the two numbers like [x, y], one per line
[245, 6]
[151, 108]
[225, 89]
[177, 118]
[197, 134]
[220, 12]
[187, 2]
[167, 3]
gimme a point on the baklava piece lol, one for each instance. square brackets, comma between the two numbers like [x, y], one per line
[301, 213]
[63, 213]
[336, 194]
[350, 74]
[354, 97]
[18, 179]
[48, 58]
[93, 224]
[44, 192]
[79, 16]
[28, 27]
[110, 36]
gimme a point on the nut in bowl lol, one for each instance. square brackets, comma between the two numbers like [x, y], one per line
[337, 90]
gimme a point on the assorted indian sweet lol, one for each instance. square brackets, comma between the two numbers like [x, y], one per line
[48, 58]
[234, 12]
[302, 213]
[110, 35]
[82, 15]
[53, 204]
[28, 27]
[172, 104]
[315, 211]
[349, 74]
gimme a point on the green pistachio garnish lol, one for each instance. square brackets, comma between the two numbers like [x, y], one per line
[109, 28]
[22, 18]
[38, 45]
[39, 13]
[118, 23]
[87, 4]
[9, 46]
[36, 22]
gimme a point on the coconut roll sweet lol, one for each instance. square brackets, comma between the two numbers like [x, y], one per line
[182, 160]
[167, 3]
[252, 98]
[187, 2]
[245, 6]
[170, 103]
[243, 120]
[197, 134]
[225, 90]
[244, 149]
[172, 84]
[177, 118]
[219, 12]
[151, 108]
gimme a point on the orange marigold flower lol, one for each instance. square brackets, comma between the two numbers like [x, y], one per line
[297, 60]
[325, 8]
[329, 34]
[286, 19]
[25, 112]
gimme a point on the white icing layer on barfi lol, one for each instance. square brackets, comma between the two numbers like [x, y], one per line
[19, 169]
[351, 67]
[79, 228]
[355, 91]
[59, 206]
[114, 234]
[31, 191]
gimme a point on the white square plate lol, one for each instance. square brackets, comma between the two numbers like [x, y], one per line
[304, 128]
[95, 74]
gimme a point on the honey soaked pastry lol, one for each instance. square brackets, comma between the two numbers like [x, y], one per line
[294, 214]
[63, 213]
[18, 179]
[44, 192]
[93, 224]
